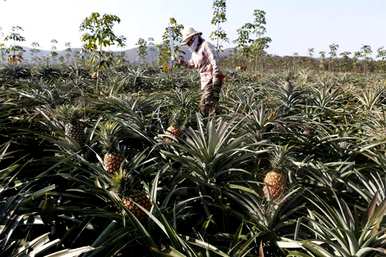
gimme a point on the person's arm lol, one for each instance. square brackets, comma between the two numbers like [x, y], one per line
[213, 60]
[188, 64]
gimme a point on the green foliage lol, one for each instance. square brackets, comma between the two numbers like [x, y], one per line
[171, 41]
[54, 48]
[219, 17]
[142, 49]
[98, 32]
[253, 45]
[14, 50]
[333, 49]
[311, 52]
[2, 46]
[325, 131]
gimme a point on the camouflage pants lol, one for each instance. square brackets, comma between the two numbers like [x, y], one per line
[210, 96]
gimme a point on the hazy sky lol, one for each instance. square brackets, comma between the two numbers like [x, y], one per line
[293, 25]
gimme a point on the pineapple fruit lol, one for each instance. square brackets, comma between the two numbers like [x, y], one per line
[132, 193]
[275, 180]
[75, 130]
[274, 184]
[74, 127]
[142, 199]
[112, 161]
[110, 133]
[173, 133]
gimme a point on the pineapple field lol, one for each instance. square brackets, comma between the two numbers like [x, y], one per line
[292, 165]
[103, 156]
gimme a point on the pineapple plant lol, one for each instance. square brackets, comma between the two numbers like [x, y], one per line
[275, 179]
[75, 126]
[110, 137]
[174, 131]
[130, 188]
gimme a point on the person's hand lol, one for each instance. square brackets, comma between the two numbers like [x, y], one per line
[180, 61]
[217, 82]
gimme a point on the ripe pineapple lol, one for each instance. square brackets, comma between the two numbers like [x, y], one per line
[173, 132]
[142, 199]
[112, 162]
[274, 184]
[275, 180]
[132, 192]
[109, 136]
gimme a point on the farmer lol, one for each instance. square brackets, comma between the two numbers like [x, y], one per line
[205, 60]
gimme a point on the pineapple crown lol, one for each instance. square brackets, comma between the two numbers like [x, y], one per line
[280, 157]
[178, 118]
[70, 113]
[130, 184]
[127, 182]
[111, 136]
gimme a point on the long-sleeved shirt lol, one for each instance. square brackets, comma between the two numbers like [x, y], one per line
[205, 61]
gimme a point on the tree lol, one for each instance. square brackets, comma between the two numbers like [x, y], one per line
[68, 51]
[243, 41]
[142, 49]
[356, 60]
[366, 51]
[333, 50]
[381, 55]
[219, 16]
[2, 46]
[54, 52]
[98, 34]
[35, 50]
[2, 51]
[311, 52]
[171, 40]
[333, 53]
[347, 62]
[256, 45]
[150, 42]
[322, 63]
[366, 54]
[345, 54]
[322, 54]
[14, 50]
[151, 48]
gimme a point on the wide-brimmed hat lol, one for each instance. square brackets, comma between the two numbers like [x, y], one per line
[188, 33]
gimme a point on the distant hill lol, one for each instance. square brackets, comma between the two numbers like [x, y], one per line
[131, 55]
